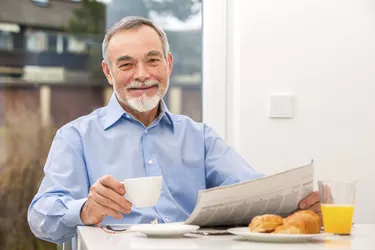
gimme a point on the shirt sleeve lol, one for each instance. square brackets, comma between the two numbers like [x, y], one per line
[224, 166]
[54, 213]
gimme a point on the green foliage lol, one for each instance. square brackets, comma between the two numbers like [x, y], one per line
[88, 19]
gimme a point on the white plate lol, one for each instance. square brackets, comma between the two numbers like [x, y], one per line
[164, 230]
[269, 237]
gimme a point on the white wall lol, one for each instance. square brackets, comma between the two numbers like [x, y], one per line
[214, 64]
[324, 53]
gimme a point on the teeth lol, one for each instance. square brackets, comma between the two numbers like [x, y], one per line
[143, 87]
[146, 87]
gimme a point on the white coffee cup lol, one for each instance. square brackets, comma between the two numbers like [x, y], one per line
[144, 191]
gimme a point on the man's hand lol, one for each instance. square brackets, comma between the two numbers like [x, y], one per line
[106, 198]
[311, 202]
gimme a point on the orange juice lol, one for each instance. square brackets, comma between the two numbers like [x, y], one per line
[337, 218]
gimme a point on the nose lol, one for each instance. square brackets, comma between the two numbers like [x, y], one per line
[141, 73]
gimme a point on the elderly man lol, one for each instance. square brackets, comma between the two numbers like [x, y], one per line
[134, 136]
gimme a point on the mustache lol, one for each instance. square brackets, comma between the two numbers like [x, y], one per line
[138, 84]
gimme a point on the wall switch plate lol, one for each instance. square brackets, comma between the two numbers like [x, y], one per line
[280, 105]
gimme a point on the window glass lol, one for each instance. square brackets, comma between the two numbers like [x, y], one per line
[50, 74]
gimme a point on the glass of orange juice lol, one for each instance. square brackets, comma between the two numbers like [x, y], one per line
[337, 203]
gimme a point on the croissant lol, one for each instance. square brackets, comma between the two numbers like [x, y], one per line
[265, 223]
[301, 222]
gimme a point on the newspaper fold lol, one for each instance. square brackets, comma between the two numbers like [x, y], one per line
[237, 204]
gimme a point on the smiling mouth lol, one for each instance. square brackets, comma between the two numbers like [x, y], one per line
[143, 87]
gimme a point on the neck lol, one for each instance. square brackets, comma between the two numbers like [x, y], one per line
[145, 117]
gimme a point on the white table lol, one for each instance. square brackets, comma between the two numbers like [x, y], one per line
[93, 238]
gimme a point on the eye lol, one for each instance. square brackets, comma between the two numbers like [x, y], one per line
[153, 60]
[125, 65]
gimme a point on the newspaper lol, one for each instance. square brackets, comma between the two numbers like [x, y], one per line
[237, 204]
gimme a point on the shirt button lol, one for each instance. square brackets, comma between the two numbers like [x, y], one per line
[146, 131]
[128, 116]
[149, 162]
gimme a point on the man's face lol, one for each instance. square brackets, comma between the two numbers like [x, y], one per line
[138, 70]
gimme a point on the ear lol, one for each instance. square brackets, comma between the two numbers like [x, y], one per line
[107, 72]
[170, 63]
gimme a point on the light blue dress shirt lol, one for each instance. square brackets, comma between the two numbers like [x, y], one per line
[189, 155]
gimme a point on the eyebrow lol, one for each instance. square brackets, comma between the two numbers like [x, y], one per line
[128, 58]
[153, 53]
[124, 58]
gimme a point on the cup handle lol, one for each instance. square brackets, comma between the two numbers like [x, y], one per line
[126, 195]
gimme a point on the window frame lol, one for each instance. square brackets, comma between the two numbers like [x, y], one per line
[214, 73]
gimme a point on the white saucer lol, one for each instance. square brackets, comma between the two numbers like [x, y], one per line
[164, 230]
[269, 237]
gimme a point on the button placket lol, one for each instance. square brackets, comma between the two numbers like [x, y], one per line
[149, 157]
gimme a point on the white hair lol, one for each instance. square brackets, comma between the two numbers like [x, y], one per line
[133, 22]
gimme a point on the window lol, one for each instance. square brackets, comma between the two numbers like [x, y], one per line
[36, 41]
[41, 2]
[6, 40]
[59, 78]
[7, 32]
[76, 45]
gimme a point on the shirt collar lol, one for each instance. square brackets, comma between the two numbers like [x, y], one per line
[115, 111]
[165, 114]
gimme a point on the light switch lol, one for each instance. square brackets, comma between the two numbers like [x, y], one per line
[280, 105]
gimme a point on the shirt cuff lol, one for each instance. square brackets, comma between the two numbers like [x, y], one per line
[72, 217]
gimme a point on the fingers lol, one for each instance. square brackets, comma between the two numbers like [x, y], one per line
[327, 195]
[110, 193]
[315, 207]
[108, 197]
[109, 182]
[309, 200]
[112, 213]
[312, 202]
[93, 213]
[99, 212]
[105, 199]
[110, 201]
